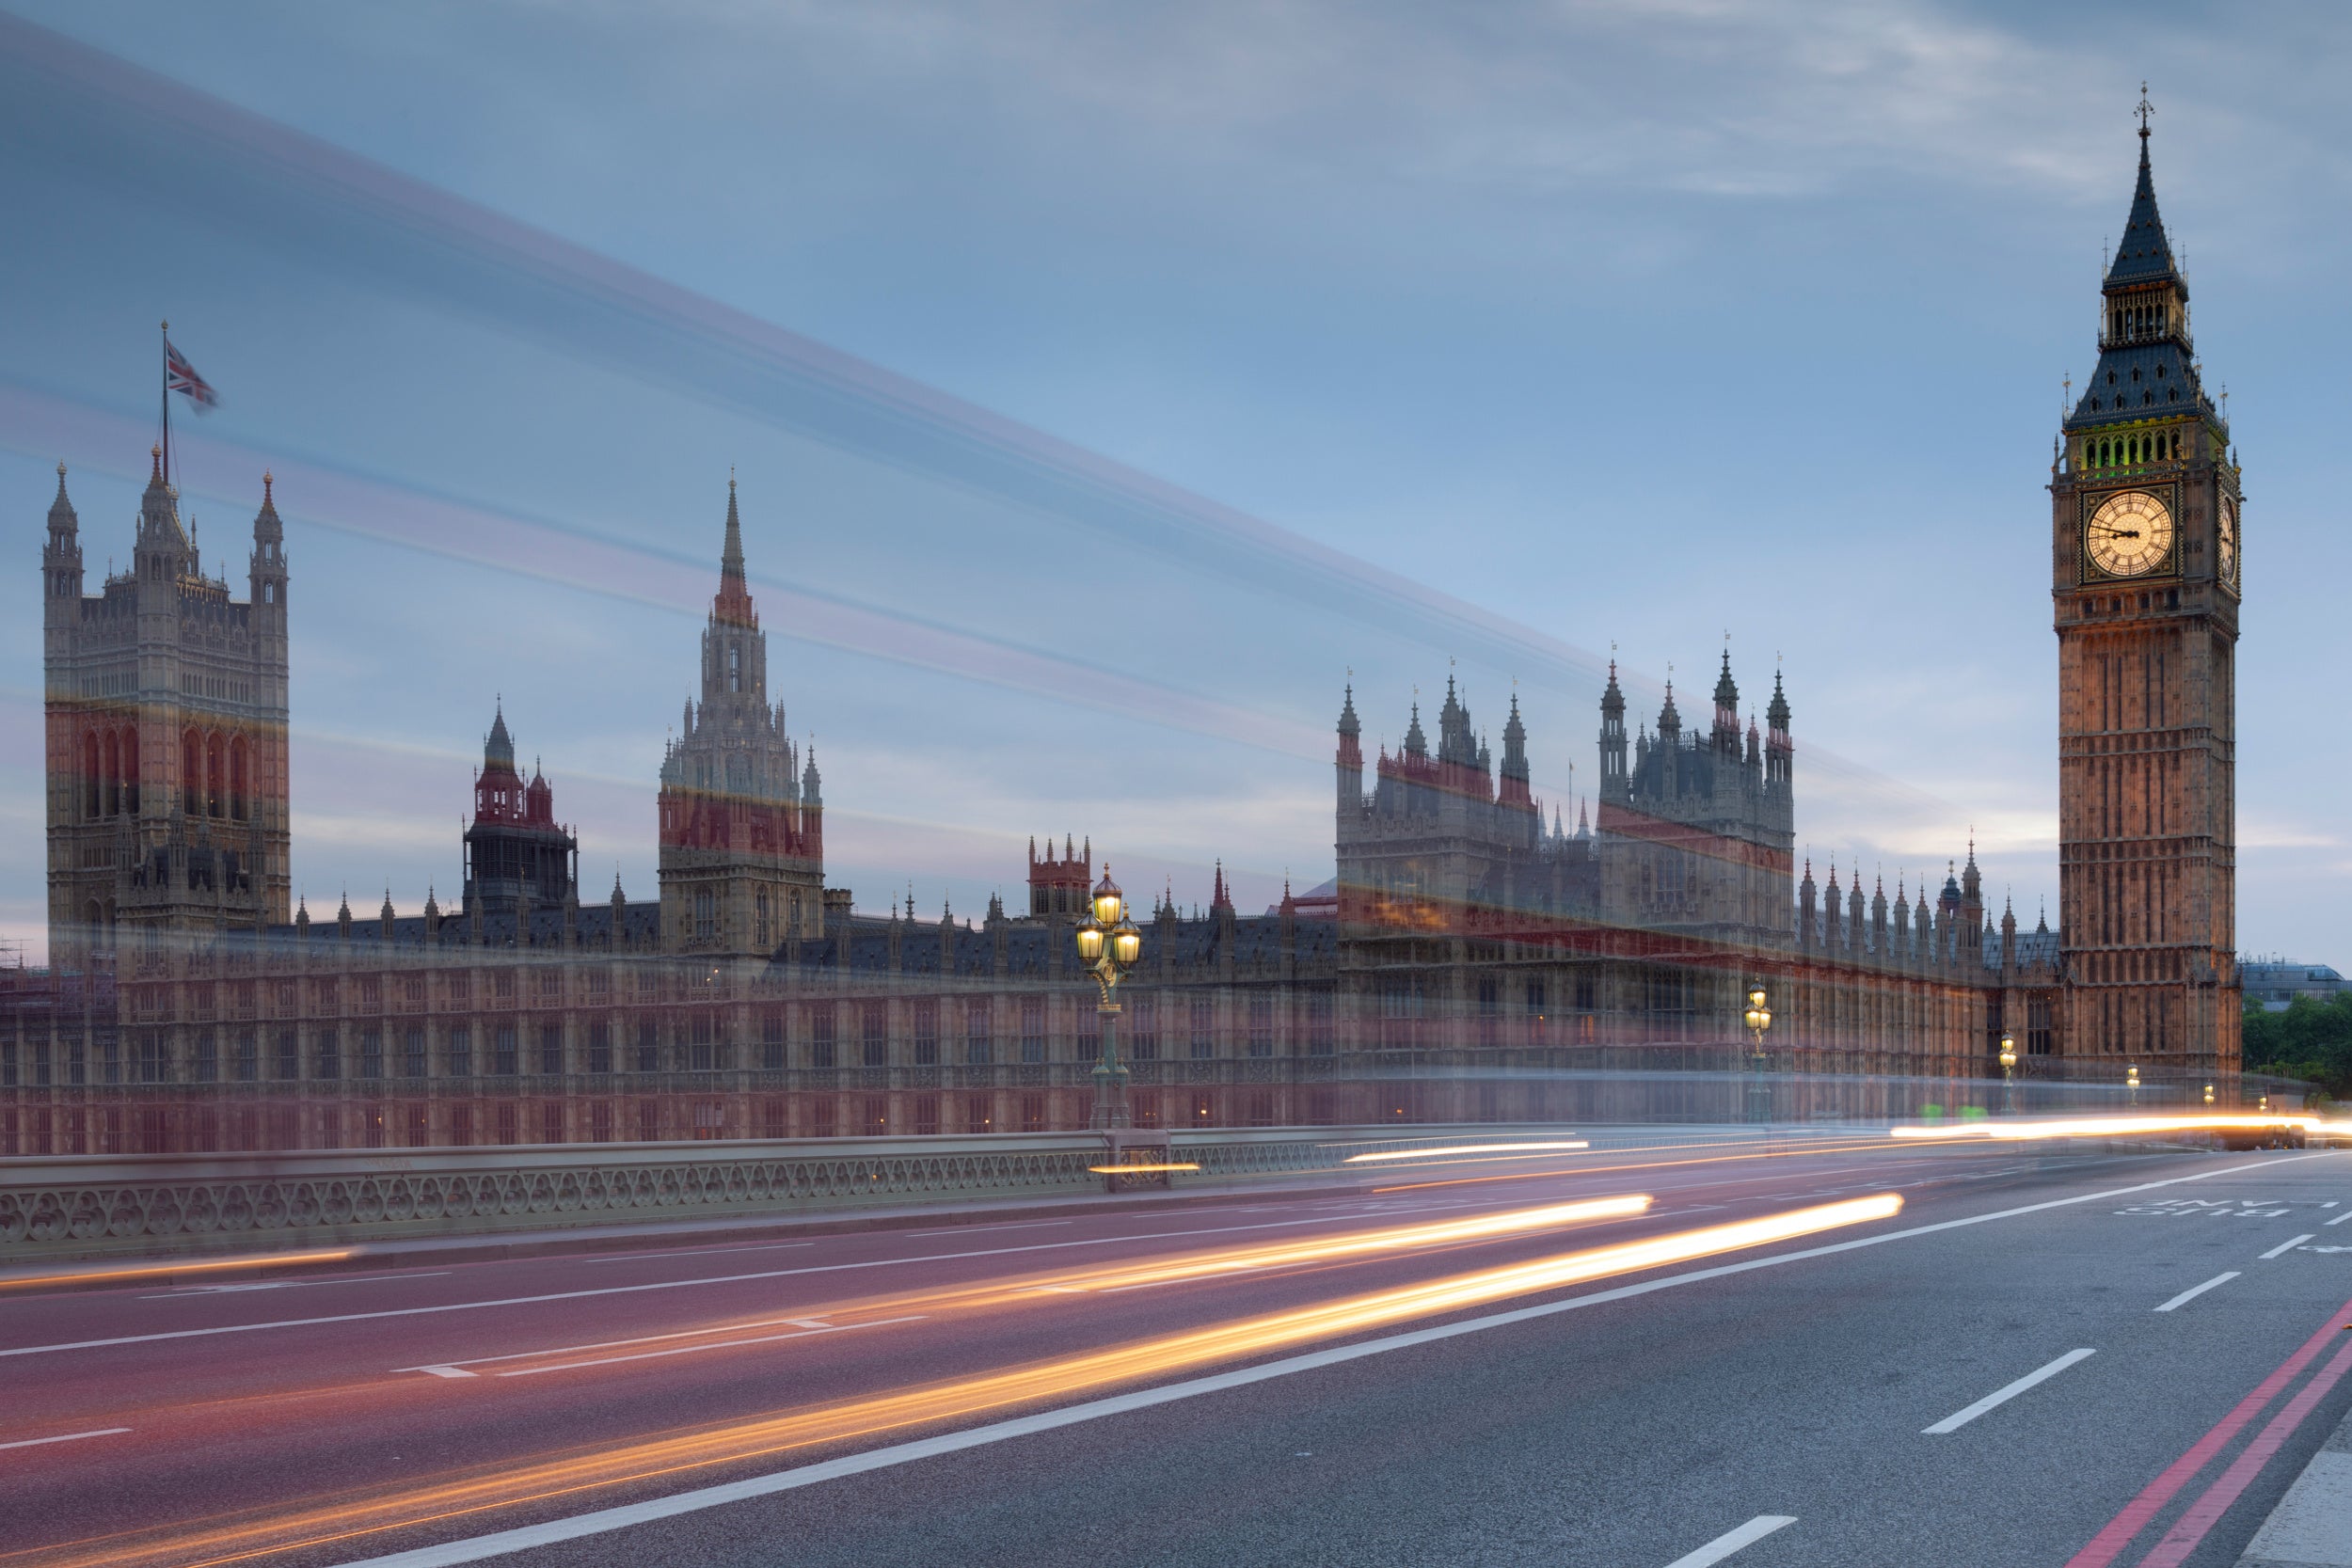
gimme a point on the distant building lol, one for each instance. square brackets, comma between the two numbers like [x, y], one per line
[2275, 982]
[1470, 961]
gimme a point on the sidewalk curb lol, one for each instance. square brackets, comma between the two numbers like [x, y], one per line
[2311, 1526]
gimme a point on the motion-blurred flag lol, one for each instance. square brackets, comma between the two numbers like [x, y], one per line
[180, 376]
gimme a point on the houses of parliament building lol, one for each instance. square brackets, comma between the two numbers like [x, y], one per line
[1471, 960]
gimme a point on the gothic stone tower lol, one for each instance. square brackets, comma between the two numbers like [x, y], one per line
[516, 852]
[1698, 838]
[165, 704]
[742, 833]
[2144, 535]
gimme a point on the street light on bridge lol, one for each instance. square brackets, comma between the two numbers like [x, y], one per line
[1758, 1018]
[1108, 945]
[2009, 1071]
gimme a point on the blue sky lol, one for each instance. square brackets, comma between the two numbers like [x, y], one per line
[1105, 384]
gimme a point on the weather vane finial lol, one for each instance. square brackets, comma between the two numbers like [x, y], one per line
[2144, 110]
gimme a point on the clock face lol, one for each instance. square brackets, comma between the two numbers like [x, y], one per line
[2130, 535]
[2226, 545]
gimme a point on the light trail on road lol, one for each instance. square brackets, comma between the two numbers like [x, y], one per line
[1461, 1149]
[326, 1523]
[1874, 1145]
[147, 1271]
[2102, 1127]
[1017, 1291]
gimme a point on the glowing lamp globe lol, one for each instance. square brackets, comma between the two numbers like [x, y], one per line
[1110, 905]
[1089, 940]
[1126, 943]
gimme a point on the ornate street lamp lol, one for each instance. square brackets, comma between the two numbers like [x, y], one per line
[2208, 1094]
[1758, 1018]
[2009, 1071]
[2131, 1086]
[1108, 945]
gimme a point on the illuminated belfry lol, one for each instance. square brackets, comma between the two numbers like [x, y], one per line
[166, 706]
[741, 820]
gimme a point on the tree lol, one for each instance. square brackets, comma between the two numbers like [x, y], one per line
[2309, 1040]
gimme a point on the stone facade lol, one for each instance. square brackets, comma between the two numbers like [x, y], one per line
[165, 721]
[1469, 962]
[2145, 495]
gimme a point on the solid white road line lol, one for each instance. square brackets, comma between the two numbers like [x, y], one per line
[2285, 1247]
[1958, 1418]
[244, 1286]
[1723, 1546]
[658, 1255]
[653, 1285]
[1015, 1224]
[2195, 1290]
[445, 1368]
[606, 1520]
[714, 1344]
[66, 1437]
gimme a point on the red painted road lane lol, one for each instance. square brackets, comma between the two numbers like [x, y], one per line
[2199, 1518]
[247, 1419]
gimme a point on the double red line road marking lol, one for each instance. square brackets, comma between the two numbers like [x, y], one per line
[2197, 1521]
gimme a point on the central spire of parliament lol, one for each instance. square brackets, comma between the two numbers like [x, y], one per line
[742, 839]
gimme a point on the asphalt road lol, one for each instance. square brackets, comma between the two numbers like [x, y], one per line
[1254, 1381]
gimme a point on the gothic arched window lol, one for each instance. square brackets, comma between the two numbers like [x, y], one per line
[240, 770]
[192, 774]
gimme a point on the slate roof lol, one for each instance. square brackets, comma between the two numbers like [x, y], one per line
[2145, 255]
[2127, 384]
[640, 925]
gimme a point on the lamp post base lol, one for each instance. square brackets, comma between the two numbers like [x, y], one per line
[1110, 1105]
[1110, 1078]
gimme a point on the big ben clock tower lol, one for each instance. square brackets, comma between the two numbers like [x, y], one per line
[2145, 556]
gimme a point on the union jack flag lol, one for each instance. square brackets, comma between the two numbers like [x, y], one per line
[180, 376]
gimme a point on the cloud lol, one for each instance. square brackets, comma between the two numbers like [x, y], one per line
[1749, 100]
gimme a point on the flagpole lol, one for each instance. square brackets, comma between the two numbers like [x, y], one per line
[167, 404]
